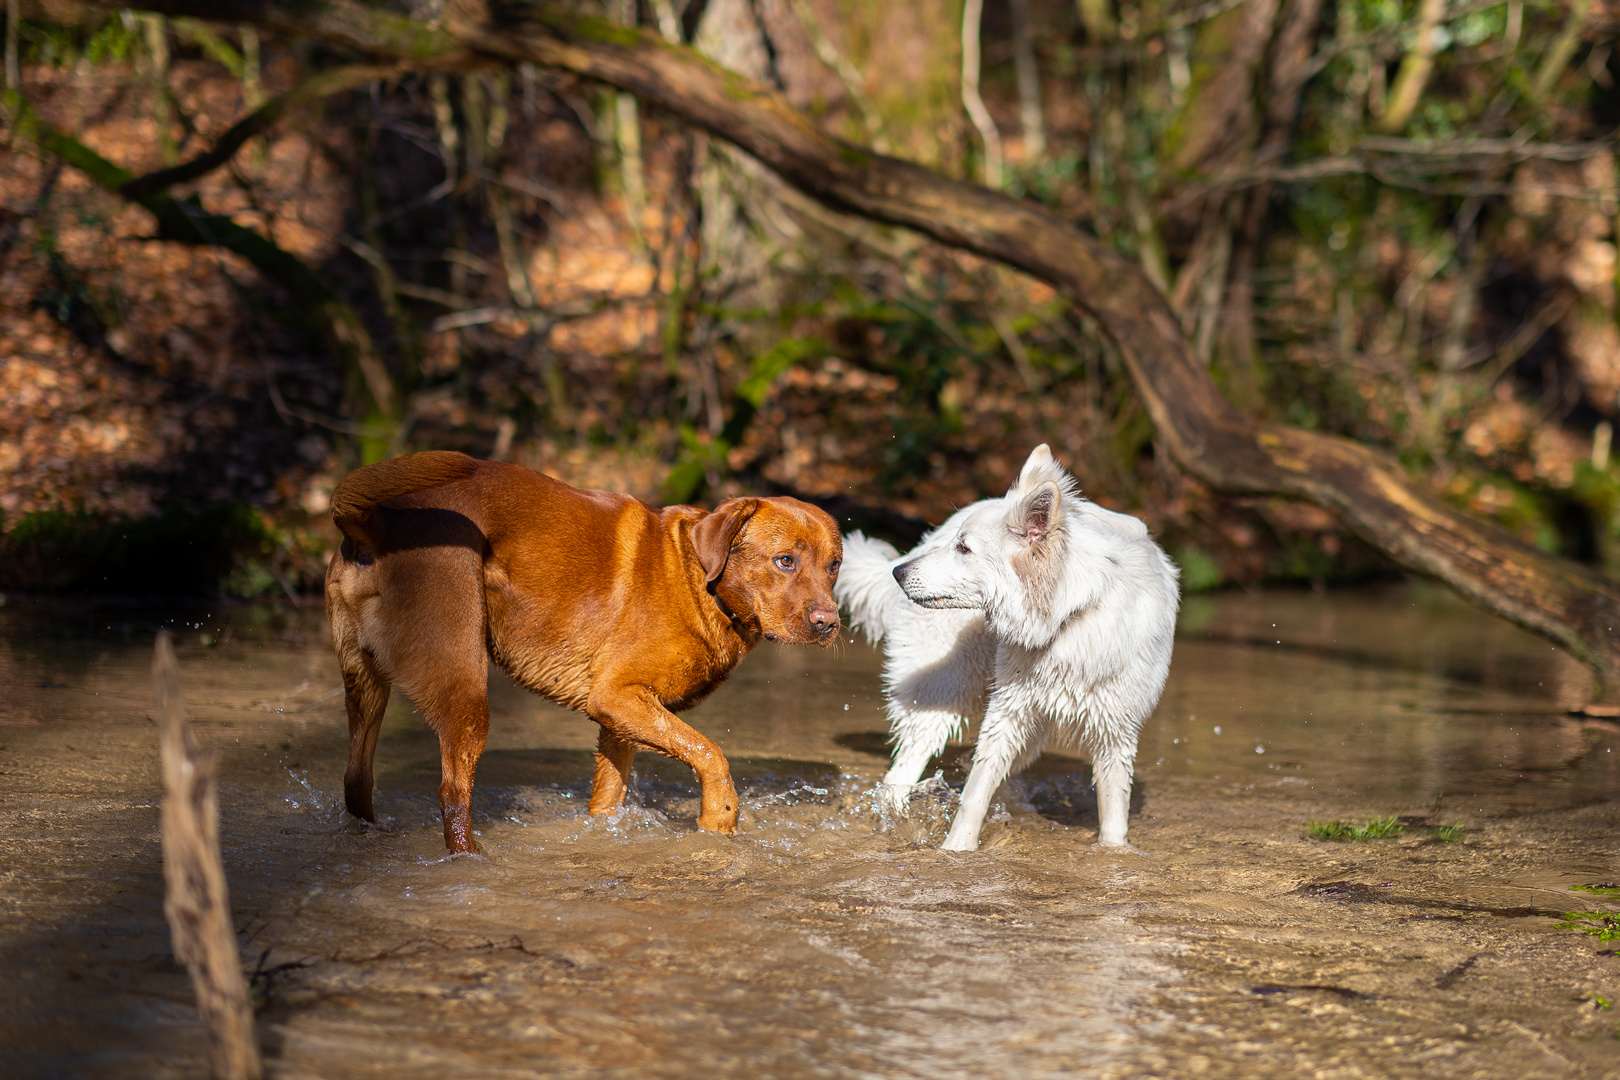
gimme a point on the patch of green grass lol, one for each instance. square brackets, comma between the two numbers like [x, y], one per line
[1603, 925]
[1447, 834]
[1607, 888]
[1601, 1002]
[1380, 828]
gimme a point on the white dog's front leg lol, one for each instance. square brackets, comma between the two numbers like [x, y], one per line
[1113, 779]
[919, 736]
[981, 787]
[910, 759]
[992, 761]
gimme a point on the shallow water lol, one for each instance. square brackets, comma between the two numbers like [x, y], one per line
[821, 940]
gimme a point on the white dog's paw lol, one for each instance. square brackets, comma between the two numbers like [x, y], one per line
[895, 799]
[1117, 847]
[961, 837]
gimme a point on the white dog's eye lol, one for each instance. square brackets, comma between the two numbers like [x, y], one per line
[962, 548]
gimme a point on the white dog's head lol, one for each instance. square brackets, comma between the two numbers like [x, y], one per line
[1006, 558]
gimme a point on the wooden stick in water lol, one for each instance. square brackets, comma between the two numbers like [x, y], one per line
[195, 901]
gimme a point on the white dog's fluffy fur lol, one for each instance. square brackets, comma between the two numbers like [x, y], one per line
[1042, 612]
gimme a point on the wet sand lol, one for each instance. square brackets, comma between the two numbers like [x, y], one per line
[822, 941]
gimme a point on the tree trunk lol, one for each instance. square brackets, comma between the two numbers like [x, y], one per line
[972, 16]
[1029, 84]
[1368, 489]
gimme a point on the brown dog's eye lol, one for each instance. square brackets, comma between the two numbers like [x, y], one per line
[832, 568]
[785, 562]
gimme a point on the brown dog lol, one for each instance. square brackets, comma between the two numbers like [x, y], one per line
[593, 599]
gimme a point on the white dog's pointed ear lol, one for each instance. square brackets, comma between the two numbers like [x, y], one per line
[1038, 462]
[1035, 517]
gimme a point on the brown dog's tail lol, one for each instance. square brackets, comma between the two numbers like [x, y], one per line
[361, 491]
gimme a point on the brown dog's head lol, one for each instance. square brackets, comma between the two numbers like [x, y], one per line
[772, 563]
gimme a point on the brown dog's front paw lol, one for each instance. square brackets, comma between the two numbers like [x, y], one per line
[721, 819]
[724, 824]
[458, 832]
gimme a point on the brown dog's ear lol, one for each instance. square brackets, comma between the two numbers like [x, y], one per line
[714, 535]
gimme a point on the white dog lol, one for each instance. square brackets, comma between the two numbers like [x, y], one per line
[1044, 613]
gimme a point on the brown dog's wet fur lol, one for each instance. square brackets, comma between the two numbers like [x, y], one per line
[593, 599]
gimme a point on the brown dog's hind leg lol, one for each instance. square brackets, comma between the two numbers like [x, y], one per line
[462, 734]
[365, 695]
[612, 776]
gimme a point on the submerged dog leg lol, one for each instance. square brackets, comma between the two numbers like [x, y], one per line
[999, 744]
[937, 674]
[612, 776]
[1111, 771]
[919, 735]
[462, 735]
[910, 759]
[634, 715]
[365, 696]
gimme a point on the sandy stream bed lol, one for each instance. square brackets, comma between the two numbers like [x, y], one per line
[819, 942]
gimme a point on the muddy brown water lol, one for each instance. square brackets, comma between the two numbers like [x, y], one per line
[822, 941]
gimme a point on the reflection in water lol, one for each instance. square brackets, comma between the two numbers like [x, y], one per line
[824, 940]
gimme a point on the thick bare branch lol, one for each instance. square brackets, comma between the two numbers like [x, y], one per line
[196, 901]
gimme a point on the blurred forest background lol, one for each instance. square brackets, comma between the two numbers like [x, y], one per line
[1393, 221]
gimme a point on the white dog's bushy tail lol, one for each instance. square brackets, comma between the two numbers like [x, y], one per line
[866, 585]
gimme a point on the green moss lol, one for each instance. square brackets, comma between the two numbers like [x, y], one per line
[854, 155]
[606, 31]
[55, 45]
[1608, 889]
[1381, 828]
[1199, 572]
[698, 457]
[1603, 925]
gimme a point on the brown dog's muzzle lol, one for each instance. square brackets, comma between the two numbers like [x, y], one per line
[823, 620]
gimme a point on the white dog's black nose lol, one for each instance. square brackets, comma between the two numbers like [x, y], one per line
[902, 572]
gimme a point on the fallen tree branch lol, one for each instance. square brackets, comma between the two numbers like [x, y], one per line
[1366, 488]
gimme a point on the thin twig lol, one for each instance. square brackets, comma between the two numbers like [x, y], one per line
[524, 186]
[1522, 340]
[847, 73]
